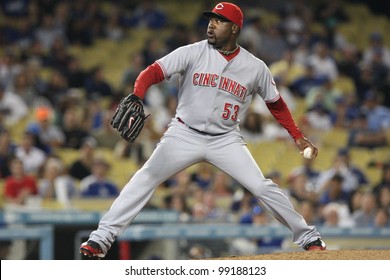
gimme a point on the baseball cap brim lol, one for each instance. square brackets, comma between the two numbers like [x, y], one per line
[209, 14]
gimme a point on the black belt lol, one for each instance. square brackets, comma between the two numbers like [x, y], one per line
[200, 132]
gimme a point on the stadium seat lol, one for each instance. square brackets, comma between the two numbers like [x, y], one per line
[334, 138]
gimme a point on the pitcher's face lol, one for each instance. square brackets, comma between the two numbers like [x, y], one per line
[219, 32]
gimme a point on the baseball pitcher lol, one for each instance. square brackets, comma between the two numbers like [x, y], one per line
[218, 79]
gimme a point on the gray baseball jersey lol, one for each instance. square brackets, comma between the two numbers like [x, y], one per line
[214, 94]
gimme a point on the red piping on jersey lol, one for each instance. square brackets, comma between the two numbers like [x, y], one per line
[153, 74]
[282, 114]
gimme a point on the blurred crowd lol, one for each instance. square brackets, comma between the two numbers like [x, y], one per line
[50, 101]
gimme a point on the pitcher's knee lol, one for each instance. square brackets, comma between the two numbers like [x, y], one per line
[263, 188]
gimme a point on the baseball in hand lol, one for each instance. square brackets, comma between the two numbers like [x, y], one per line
[307, 153]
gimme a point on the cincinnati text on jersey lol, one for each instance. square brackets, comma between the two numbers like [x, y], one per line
[223, 83]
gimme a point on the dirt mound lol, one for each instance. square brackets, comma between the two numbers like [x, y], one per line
[320, 255]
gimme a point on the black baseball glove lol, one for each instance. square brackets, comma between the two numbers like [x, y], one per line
[129, 117]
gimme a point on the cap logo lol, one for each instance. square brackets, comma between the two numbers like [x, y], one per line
[219, 6]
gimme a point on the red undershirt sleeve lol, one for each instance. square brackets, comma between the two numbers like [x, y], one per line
[282, 114]
[153, 74]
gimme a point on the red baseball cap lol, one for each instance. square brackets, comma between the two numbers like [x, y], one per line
[228, 11]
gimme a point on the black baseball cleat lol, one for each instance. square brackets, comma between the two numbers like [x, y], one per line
[92, 250]
[316, 245]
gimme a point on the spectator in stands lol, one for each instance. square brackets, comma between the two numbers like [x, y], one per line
[113, 28]
[98, 185]
[323, 64]
[33, 70]
[287, 68]
[13, 11]
[346, 110]
[61, 12]
[384, 180]
[365, 215]
[378, 116]
[181, 183]
[270, 129]
[353, 177]
[74, 72]
[179, 37]
[302, 85]
[360, 135]
[178, 202]
[72, 99]
[365, 83]
[79, 29]
[164, 114]
[243, 202]
[330, 11]
[355, 200]
[50, 136]
[81, 167]
[96, 84]
[379, 70]
[36, 52]
[55, 183]
[348, 62]
[23, 89]
[293, 25]
[325, 94]
[203, 175]
[332, 191]
[57, 87]
[335, 214]
[330, 216]
[148, 14]
[252, 34]
[105, 135]
[9, 67]
[333, 36]
[376, 44]
[304, 11]
[153, 48]
[308, 209]
[94, 113]
[382, 218]
[317, 119]
[383, 198]
[12, 107]
[222, 185]
[207, 209]
[73, 128]
[19, 186]
[259, 105]
[252, 127]
[300, 189]
[47, 32]
[92, 16]
[200, 22]
[32, 157]
[273, 45]
[58, 56]
[7, 152]
[344, 84]
[136, 65]
[307, 168]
